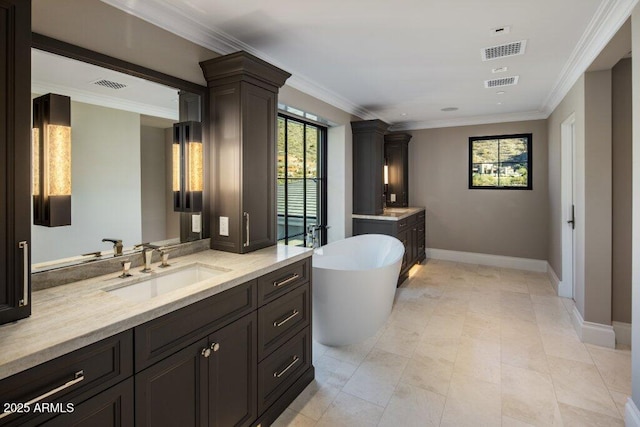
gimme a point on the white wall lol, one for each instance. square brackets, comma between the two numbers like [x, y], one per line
[635, 233]
[153, 173]
[105, 200]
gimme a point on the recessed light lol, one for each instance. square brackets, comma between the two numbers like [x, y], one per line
[499, 70]
[449, 109]
[403, 114]
[500, 92]
[499, 103]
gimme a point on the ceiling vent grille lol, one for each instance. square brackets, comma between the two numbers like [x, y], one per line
[110, 84]
[506, 81]
[503, 50]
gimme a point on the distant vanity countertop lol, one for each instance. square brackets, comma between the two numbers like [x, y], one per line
[391, 214]
[68, 317]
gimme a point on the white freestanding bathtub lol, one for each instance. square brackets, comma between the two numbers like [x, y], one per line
[354, 284]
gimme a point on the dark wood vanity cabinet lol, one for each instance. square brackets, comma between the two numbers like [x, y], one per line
[211, 382]
[396, 154]
[237, 358]
[86, 385]
[243, 100]
[411, 231]
[15, 155]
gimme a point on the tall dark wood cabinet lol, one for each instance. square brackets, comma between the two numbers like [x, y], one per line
[396, 154]
[15, 164]
[368, 166]
[243, 116]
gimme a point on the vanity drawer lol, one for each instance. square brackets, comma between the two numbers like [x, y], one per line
[402, 224]
[281, 319]
[282, 368]
[165, 335]
[72, 378]
[279, 282]
[420, 216]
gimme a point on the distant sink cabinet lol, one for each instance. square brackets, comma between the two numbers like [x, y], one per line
[237, 358]
[396, 156]
[407, 225]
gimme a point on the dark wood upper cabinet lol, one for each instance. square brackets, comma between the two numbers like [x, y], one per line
[243, 103]
[15, 155]
[368, 166]
[396, 154]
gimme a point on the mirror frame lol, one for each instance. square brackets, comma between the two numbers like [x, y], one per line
[58, 47]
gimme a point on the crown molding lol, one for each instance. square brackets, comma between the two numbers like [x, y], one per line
[469, 121]
[603, 26]
[609, 17]
[166, 15]
[77, 95]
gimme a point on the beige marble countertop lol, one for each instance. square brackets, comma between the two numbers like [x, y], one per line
[391, 214]
[68, 317]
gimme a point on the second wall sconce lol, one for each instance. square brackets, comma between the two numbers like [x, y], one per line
[187, 167]
[51, 160]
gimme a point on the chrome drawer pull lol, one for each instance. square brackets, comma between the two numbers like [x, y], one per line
[286, 281]
[79, 376]
[283, 321]
[295, 360]
[246, 242]
[25, 275]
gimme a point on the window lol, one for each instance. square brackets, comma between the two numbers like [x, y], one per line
[500, 162]
[302, 190]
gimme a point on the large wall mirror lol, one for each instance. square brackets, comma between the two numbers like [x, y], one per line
[123, 153]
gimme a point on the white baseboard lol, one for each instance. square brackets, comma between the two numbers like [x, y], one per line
[553, 278]
[631, 414]
[487, 259]
[593, 333]
[623, 332]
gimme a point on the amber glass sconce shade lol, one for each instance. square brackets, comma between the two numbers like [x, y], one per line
[51, 151]
[187, 167]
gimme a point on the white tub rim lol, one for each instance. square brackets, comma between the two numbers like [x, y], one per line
[394, 240]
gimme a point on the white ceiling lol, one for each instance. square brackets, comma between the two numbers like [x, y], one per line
[403, 61]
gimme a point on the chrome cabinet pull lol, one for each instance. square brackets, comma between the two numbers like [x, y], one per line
[289, 366]
[246, 216]
[79, 376]
[25, 275]
[283, 321]
[286, 281]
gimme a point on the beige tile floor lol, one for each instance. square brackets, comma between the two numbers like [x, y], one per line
[468, 345]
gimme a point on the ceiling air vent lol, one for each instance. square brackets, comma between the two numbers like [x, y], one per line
[110, 84]
[503, 50]
[506, 81]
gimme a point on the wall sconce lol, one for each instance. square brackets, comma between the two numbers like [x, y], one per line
[51, 143]
[386, 173]
[187, 167]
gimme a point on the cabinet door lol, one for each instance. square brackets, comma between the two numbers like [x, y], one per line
[113, 407]
[173, 392]
[232, 374]
[15, 149]
[258, 168]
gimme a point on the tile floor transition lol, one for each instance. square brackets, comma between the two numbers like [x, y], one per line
[468, 345]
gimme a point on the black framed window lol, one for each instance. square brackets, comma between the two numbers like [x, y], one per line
[500, 162]
[302, 190]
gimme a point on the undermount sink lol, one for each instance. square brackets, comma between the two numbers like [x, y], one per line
[162, 283]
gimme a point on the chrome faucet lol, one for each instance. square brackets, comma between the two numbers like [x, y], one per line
[147, 253]
[117, 246]
[313, 235]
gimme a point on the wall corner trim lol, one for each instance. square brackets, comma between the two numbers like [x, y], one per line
[593, 333]
[488, 259]
[623, 332]
[553, 278]
[631, 414]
